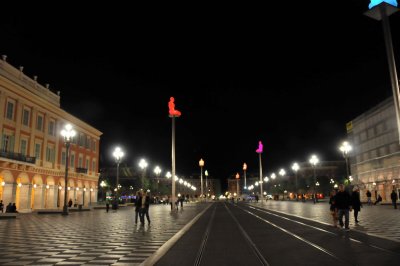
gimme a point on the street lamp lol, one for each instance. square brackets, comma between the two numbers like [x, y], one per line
[157, 171]
[237, 183]
[244, 174]
[313, 161]
[282, 173]
[173, 113]
[206, 174]
[201, 164]
[295, 168]
[259, 151]
[381, 10]
[118, 154]
[345, 148]
[143, 164]
[68, 133]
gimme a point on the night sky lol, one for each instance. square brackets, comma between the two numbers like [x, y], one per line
[288, 74]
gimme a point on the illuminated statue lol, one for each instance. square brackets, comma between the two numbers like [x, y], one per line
[377, 2]
[260, 147]
[171, 106]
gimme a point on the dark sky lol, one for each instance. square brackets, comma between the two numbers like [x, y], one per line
[288, 74]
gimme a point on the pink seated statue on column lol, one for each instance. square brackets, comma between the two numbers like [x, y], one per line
[172, 111]
[260, 147]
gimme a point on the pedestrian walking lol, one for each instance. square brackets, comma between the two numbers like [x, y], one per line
[393, 196]
[138, 204]
[1, 206]
[332, 208]
[379, 199]
[343, 206]
[107, 205]
[144, 209]
[356, 203]
[369, 202]
[70, 203]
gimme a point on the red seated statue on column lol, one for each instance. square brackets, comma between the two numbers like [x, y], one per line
[172, 111]
[260, 147]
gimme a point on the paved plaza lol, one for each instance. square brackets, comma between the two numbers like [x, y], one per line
[99, 238]
[91, 237]
[377, 220]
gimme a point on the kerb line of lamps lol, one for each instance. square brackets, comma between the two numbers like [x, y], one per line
[68, 133]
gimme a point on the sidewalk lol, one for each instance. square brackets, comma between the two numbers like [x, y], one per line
[377, 220]
[95, 237]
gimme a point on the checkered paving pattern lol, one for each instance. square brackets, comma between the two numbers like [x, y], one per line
[92, 238]
[378, 220]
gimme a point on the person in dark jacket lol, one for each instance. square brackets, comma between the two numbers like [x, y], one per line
[332, 208]
[393, 196]
[343, 206]
[144, 208]
[138, 204]
[356, 203]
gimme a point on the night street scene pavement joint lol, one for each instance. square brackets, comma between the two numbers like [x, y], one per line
[275, 233]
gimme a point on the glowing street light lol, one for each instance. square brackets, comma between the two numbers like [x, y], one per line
[118, 154]
[173, 113]
[201, 164]
[157, 171]
[314, 161]
[295, 168]
[345, 148]
[237, 183]
[206, 174]
[68, 133]
[143, 164]
[244, 175]
[259, 151]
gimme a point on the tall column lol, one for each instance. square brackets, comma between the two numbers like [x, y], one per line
[2, 107]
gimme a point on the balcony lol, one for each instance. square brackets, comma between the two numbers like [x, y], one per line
[81, 170]
[18, 157]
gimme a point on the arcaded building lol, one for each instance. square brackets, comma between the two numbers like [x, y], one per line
[375, 159]
[32, 150]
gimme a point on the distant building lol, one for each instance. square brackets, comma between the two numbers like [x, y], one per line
[32, 152]
[375, 159]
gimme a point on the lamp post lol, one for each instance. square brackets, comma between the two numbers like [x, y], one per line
[282, 173]
[118, 154]
[380, 10]
[68, 133]
[143, 164]
[157, 171]
[259, 151]
[201, 164]
[244, 175]
[295, 168]
[237, 184]
[173, 113]
[345, 148]
[206, 174]
[313, 161]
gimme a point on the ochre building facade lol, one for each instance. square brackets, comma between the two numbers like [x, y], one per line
[33, 152]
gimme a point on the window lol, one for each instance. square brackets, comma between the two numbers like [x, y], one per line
[87, 164]
[51, 128]
[72, 162]
[94, 145]
[10, 110]
[93, 166]
[23, 146]
[25, 117]
[39, 123]
[81, 140]
[37, 150]
[63, 156]
[7, 143]
[50, 154]
[80, 162]
[87, 143]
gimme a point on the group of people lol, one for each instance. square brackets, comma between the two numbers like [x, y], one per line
[11, 207]
[341, 203]
[142, 205]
